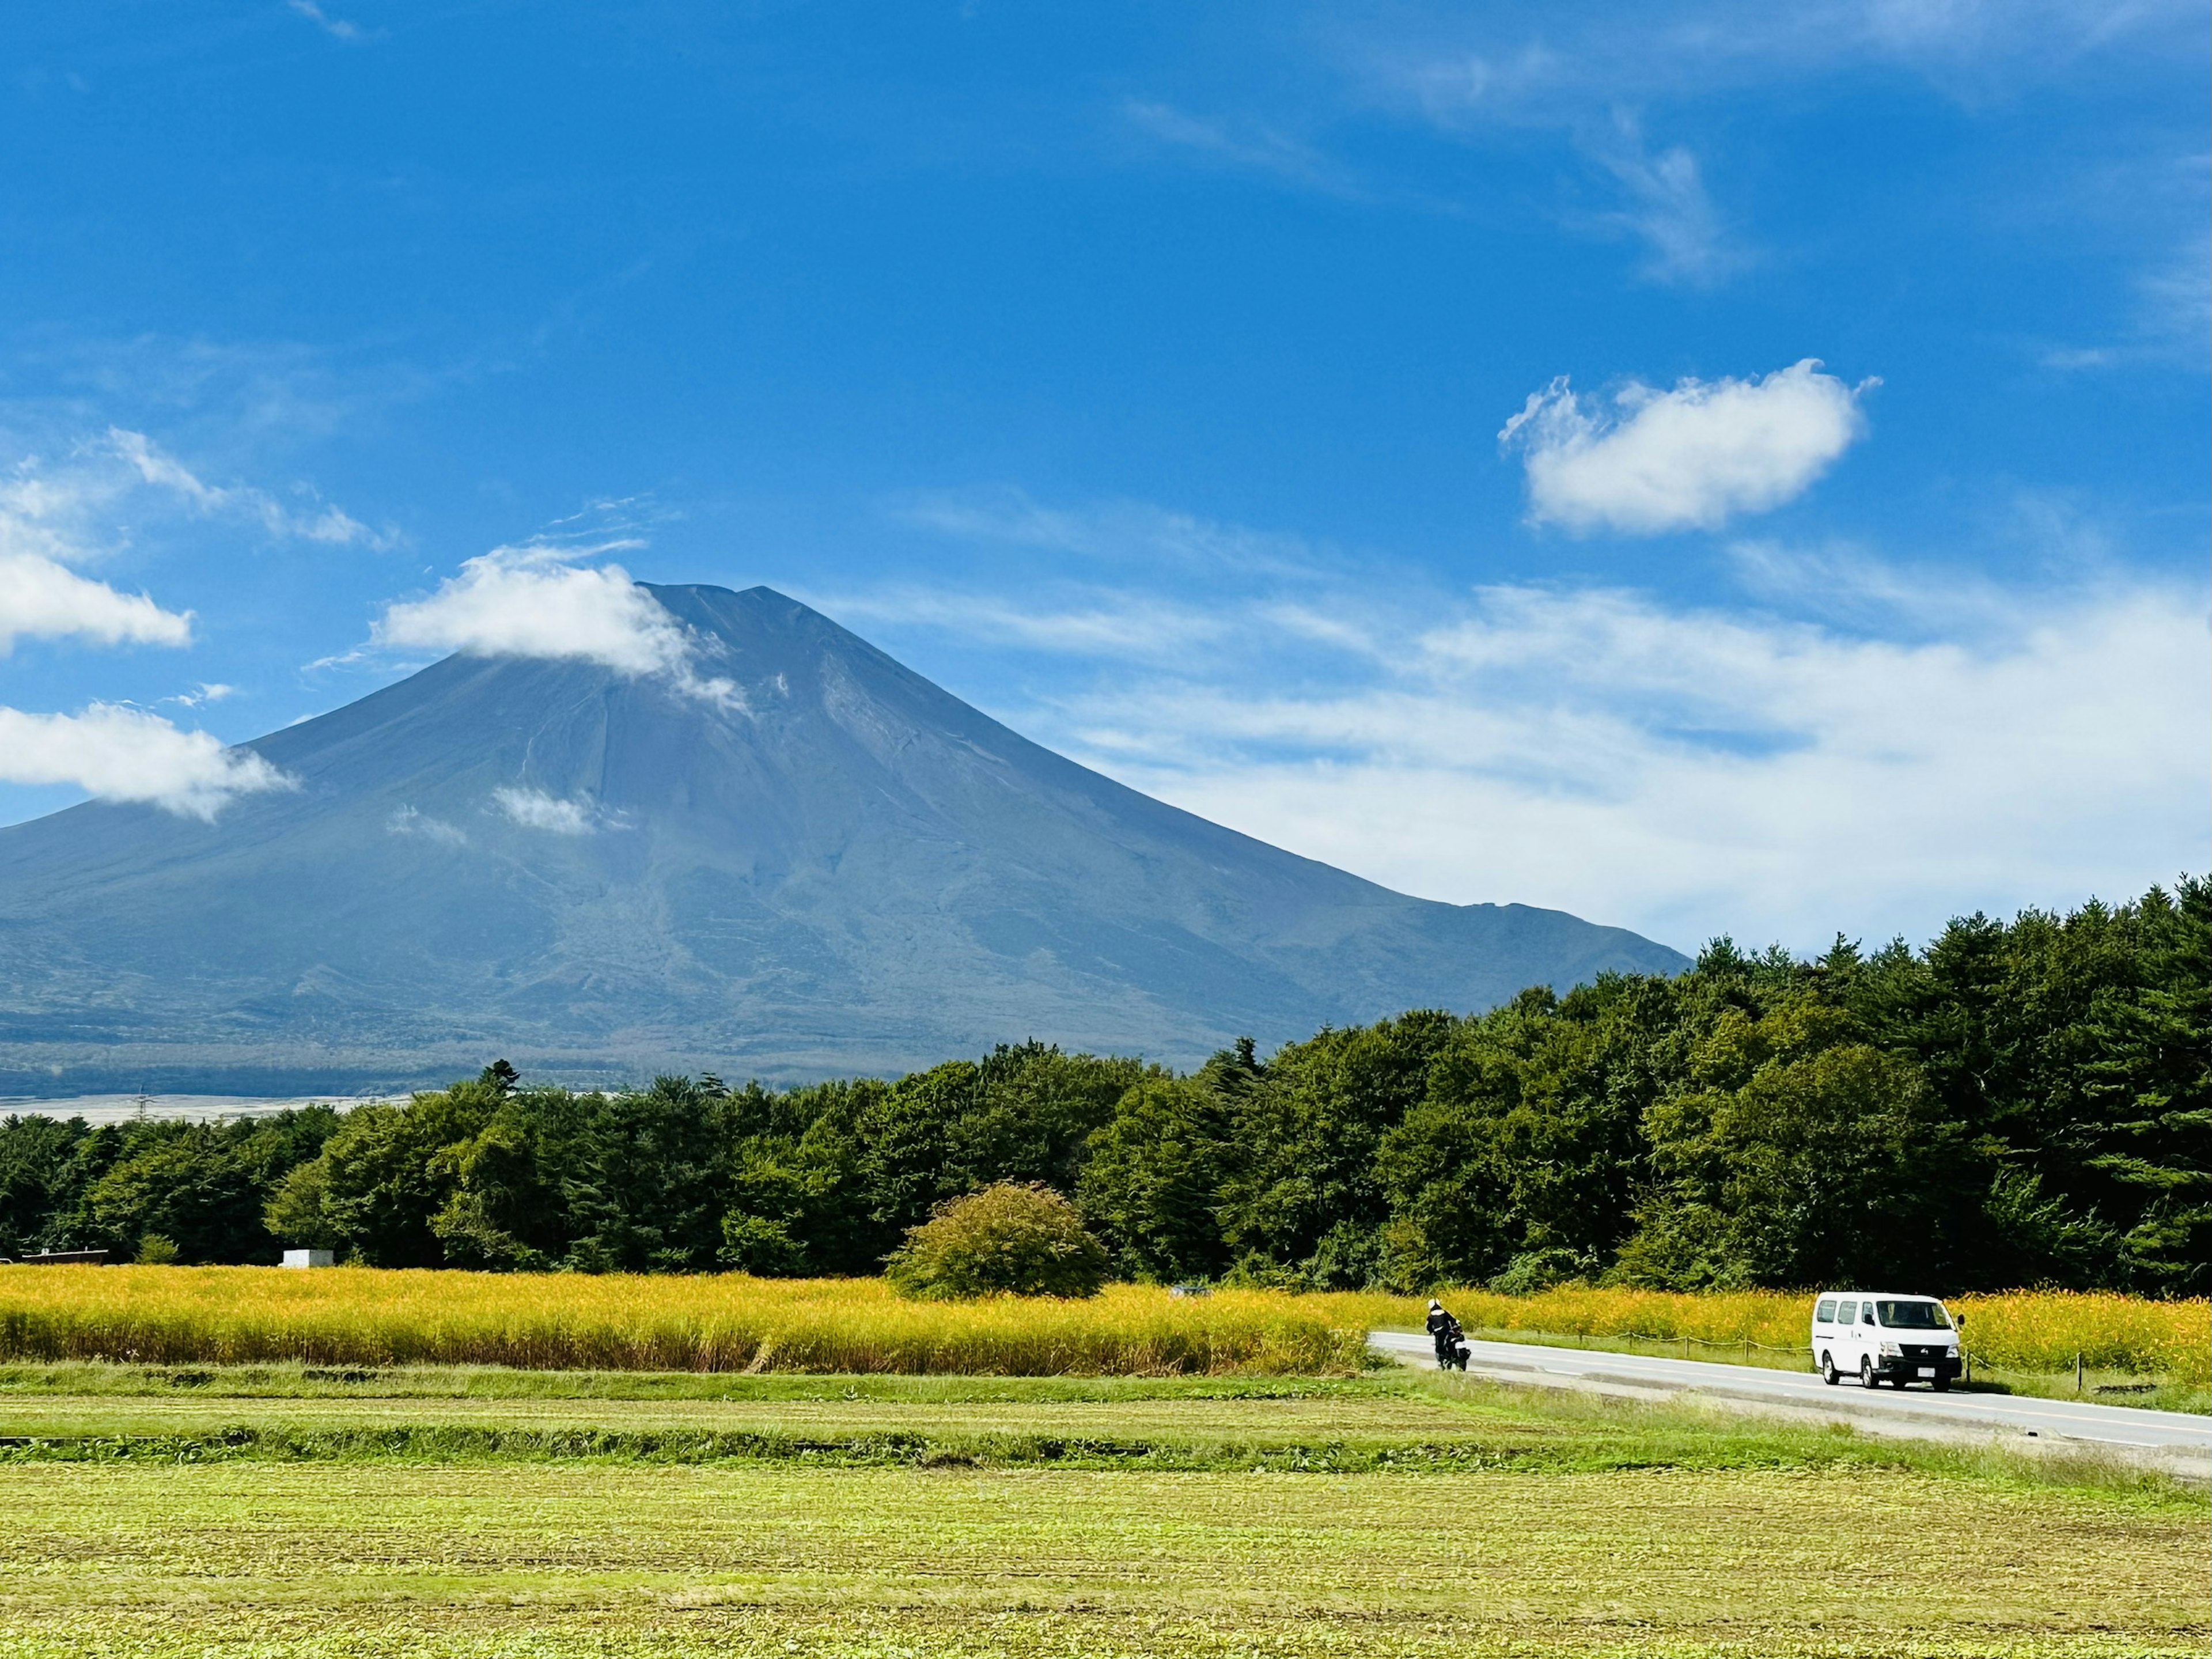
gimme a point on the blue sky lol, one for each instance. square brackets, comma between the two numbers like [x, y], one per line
[1713, 468]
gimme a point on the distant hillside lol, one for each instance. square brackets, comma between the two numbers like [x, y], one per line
[843, 868]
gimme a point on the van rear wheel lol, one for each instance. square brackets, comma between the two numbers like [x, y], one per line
[1828, 1370]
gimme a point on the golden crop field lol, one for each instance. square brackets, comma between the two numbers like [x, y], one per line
[731, 1322]
[720, 1322]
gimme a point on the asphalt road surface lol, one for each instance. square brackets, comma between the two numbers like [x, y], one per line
[2170, 1435]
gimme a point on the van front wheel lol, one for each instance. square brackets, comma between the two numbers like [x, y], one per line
[1828, 1370]
[1867, 1379]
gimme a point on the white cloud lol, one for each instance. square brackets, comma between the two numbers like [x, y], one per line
[410, 821]
[1847, 743]
[533, 601]
[1254, 145]
[336, 27]
[1692, 771]
[533, 809]
[120, 754]
[1474, 74]
[1121, 532]
[55, 518]
[1689, 457]
[40, 598]
[1668, 208]
[2176, 295]
[1543, 65]
[1082, 621]
[322, 523]
[529, 602]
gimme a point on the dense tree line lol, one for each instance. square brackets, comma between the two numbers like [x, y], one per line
[2019, 1103]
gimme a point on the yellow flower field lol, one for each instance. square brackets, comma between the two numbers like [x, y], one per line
[721, 1323]
[731, 1322]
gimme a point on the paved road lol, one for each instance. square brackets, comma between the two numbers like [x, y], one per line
[2168, 1433]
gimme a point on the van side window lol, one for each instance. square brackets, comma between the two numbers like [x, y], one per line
[1825, 1313]
[1866, 1313]
[1847, 1313]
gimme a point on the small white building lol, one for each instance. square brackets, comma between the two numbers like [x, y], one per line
[310, 1258]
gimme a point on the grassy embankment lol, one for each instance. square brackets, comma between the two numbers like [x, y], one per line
[304, 1512]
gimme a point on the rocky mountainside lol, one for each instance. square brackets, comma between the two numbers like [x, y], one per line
[831, 866]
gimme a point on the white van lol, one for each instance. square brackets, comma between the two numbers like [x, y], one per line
[1881, 1336]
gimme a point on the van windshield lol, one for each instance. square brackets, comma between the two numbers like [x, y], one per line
[1913, 1316]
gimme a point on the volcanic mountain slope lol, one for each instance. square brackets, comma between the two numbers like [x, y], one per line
[830, 866]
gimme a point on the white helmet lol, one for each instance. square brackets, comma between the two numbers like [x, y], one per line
[1435, 1306]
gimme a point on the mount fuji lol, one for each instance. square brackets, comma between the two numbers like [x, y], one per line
[815, 862]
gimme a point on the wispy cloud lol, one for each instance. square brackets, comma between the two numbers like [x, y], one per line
[2145, 209]
[1065, 621]
[1247, 145]
[320, 523]
[1841, 740]
[336, 27]
[58, 516]
[1692, 456]
[120, 754]
[2176, 296]
[1595, 75]
[1542, 63]
[1667, 208]
[72, 506]
[1113, 531]
[1691, 771]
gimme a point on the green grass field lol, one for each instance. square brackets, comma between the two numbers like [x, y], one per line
[279, 1511]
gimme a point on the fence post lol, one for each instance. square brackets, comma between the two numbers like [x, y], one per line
[2077, 1371]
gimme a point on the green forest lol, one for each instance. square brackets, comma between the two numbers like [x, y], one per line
[2019, 1104]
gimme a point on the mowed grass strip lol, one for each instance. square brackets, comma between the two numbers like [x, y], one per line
[275, 1559]
[1193, 1417]
[1400, 1421]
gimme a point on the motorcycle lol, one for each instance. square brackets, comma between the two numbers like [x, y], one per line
[1452, 1353]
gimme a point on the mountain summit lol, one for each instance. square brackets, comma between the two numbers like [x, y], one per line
[803, 859]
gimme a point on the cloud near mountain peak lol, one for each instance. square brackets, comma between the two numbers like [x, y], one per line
[538, 601]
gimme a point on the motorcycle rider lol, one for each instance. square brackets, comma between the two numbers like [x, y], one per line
[1443, 1331]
